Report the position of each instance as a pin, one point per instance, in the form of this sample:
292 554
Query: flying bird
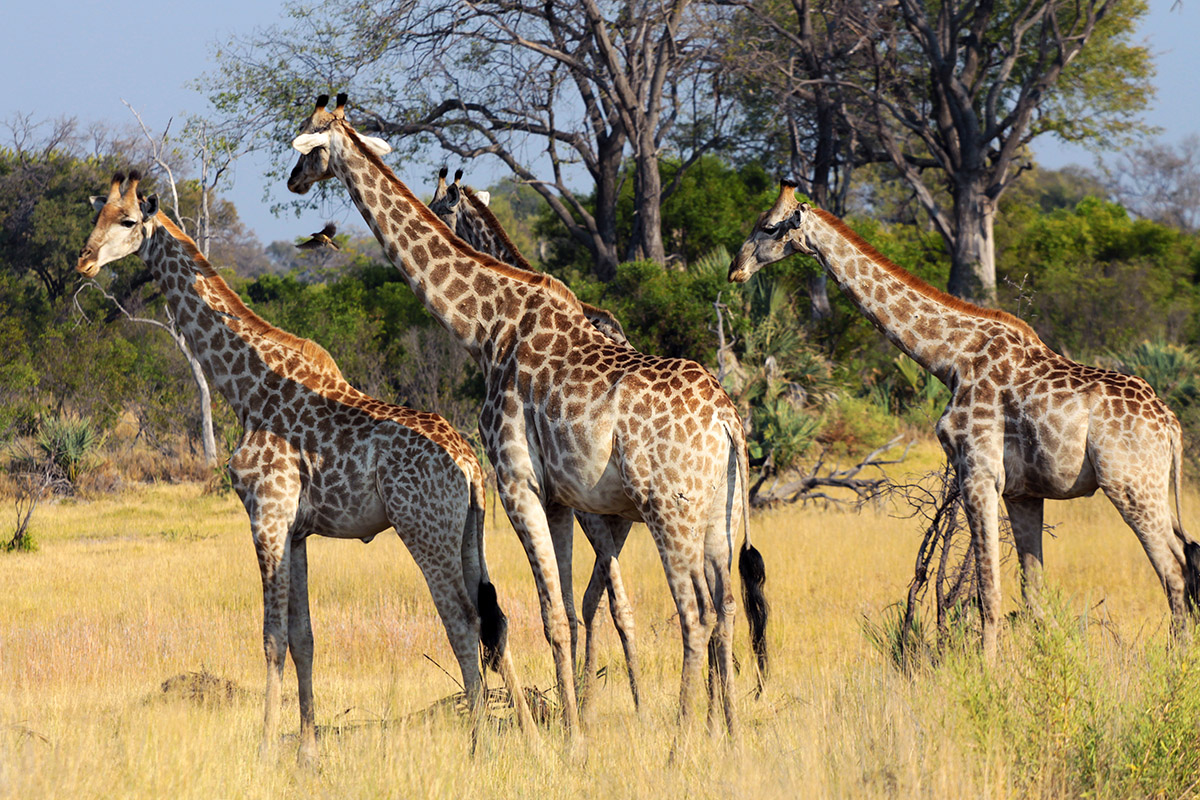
321 238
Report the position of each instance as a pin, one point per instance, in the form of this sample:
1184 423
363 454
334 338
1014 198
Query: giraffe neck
938 331
239 351
483 303
478 227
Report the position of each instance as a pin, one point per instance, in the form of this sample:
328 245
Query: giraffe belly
1036 472
357 516
599 495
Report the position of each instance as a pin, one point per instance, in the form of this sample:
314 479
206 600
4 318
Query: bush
855 426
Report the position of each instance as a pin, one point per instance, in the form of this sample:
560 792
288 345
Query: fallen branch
812 486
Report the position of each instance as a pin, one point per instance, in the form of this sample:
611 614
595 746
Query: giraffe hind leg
1150 519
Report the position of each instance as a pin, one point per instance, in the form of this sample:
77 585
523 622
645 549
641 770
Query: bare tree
962 87
792 58
555 90
1160 182
207 438
215 154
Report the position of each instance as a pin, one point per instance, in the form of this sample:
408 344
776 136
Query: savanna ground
129 590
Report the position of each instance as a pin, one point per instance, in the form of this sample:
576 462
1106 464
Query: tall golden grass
129 590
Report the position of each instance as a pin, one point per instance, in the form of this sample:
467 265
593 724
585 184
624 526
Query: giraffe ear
796 217
149 207
484 197
376 145
305 143
98 202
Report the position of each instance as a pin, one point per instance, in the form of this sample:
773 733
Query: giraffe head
778 233
447 199
124 222
314 141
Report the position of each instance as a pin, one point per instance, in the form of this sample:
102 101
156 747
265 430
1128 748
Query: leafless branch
811 486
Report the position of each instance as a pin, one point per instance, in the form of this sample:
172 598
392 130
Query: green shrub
69 444
855 426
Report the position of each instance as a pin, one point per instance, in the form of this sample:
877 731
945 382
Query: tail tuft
754 577
493 626
1191 576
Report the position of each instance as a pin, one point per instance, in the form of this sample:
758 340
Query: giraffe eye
771 229
129 223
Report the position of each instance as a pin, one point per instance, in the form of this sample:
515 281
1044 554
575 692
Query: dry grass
161 582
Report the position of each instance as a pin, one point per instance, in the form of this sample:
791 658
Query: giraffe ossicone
1023 422
572 420
318 457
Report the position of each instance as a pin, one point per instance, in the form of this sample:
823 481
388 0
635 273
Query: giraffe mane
912 281
309 349
488 217
549 283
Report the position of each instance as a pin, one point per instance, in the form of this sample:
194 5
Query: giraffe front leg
981 502
271 544
300 642
271 502
1025 517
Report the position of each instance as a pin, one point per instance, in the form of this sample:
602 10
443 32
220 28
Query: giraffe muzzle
88 264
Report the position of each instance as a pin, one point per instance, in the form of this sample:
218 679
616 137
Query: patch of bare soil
201 688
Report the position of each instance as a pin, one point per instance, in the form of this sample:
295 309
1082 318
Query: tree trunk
647 202
607 189
973 250
206 418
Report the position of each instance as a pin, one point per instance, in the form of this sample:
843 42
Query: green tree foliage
664 311
1092 278
383 339
712 206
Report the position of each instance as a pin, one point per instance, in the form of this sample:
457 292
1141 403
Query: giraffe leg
622 614
1025 516
528 518
685 576
300 642
562 532
619 606
1147 511
438 552
722 532
271 541
271 499
981 502
720 660
607 535
591 602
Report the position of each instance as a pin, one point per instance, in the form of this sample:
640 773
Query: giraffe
317 456
1023 422
466 212
571 420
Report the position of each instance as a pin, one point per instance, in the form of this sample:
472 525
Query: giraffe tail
750 564
1191 549
493 623
493 626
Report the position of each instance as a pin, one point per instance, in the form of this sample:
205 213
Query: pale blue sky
82 58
